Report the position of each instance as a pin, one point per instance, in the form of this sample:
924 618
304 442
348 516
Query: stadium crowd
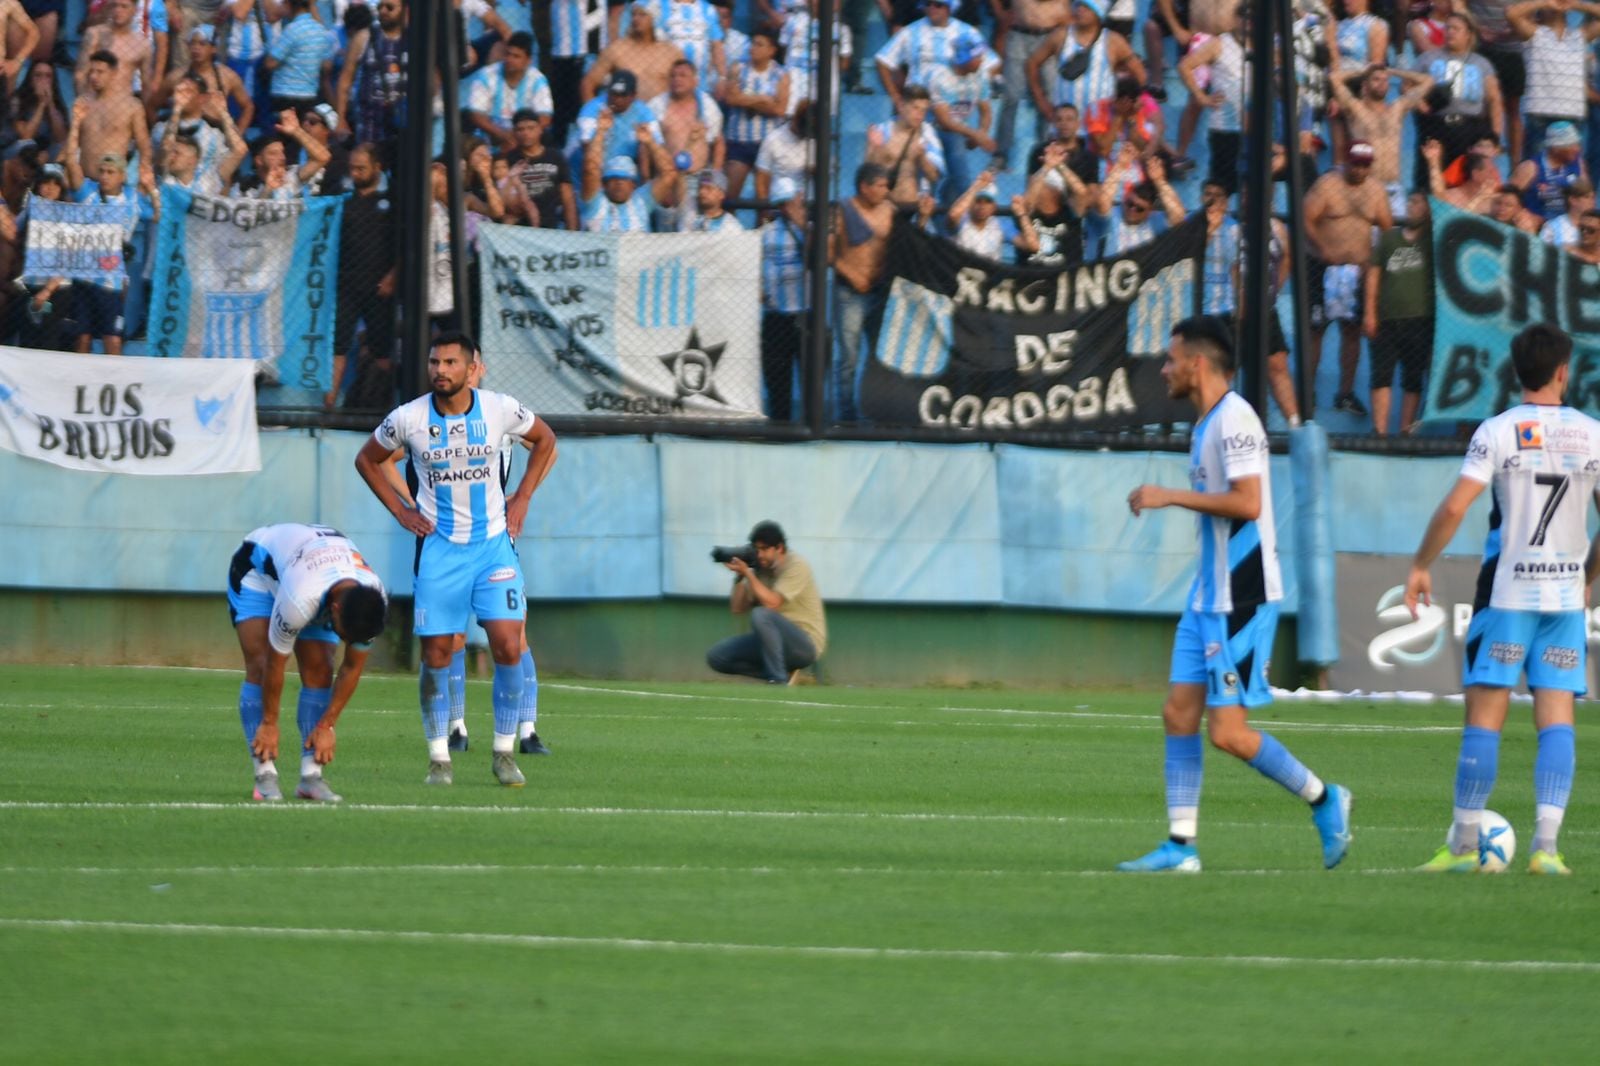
1029 131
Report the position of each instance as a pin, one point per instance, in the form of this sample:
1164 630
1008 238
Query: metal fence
661 220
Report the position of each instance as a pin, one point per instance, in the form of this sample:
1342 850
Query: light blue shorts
1551 647
454 581
1228 653
253 599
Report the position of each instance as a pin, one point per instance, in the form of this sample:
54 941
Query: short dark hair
1212 337
357 17
915 92
372 151
1144 190
676 63
363 612
768 534
524 114
1537 352
262 143
1067 105
867 173
460 338
522 40
1128 87
109 58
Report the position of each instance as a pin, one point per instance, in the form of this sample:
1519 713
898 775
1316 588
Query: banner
1490 281
248 279
129 415
968 344
1383 649
658 325
78 241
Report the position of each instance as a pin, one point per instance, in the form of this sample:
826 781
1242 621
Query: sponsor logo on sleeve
505 573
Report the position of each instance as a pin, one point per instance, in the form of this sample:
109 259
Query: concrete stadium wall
662 639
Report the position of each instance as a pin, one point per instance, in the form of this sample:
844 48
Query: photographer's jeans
773 647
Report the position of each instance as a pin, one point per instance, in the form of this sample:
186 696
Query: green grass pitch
730 873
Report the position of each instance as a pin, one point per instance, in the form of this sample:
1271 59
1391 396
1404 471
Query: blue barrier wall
627 518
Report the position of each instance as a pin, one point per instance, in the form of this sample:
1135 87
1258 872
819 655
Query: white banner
637 324
128 415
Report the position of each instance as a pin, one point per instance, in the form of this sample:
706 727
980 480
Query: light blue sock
1477 767
1183 771
435 687
250 712
507 698
308 711
529 712
1554 765
458 685
1275 762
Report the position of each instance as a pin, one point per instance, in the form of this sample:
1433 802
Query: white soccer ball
1497 843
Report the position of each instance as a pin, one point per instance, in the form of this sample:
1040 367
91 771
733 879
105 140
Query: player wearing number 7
1540 461
465 560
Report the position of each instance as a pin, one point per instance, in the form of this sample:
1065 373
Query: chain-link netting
1017 204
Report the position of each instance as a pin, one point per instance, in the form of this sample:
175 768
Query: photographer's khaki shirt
802 603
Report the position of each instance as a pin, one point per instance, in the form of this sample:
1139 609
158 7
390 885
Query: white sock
505 743
1183 822
439 749
526 729
457 725
1464 830
264 766
1312 788
308 766
1546 825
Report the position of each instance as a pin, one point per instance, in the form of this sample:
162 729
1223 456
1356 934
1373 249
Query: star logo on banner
694 368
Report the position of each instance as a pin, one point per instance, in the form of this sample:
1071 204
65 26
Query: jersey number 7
1558 492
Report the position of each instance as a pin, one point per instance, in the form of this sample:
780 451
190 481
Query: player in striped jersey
1541 463
465 560
405 485
1224 641
300 589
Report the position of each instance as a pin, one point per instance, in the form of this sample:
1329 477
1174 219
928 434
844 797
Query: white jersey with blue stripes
457 461
578 27
298 564
1541 463
1238 559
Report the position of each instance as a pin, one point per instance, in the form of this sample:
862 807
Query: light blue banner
626 517
248 279
1490 282
78 241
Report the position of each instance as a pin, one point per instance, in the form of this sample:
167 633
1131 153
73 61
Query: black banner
970 345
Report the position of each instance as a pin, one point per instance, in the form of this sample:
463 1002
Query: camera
747 552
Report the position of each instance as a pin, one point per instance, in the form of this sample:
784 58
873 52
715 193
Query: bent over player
1540 461
465 559
1220 654
300 589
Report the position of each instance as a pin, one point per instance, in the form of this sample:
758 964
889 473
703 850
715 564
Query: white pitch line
1375 727
669 812
832 951
588 868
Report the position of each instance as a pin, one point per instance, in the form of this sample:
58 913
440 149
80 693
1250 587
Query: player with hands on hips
466 564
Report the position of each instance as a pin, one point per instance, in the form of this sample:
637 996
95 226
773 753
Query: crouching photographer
787 629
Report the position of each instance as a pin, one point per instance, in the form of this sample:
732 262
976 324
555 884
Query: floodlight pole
819 338
414 192
1257 295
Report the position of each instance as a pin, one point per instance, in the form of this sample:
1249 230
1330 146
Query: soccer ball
1497 843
